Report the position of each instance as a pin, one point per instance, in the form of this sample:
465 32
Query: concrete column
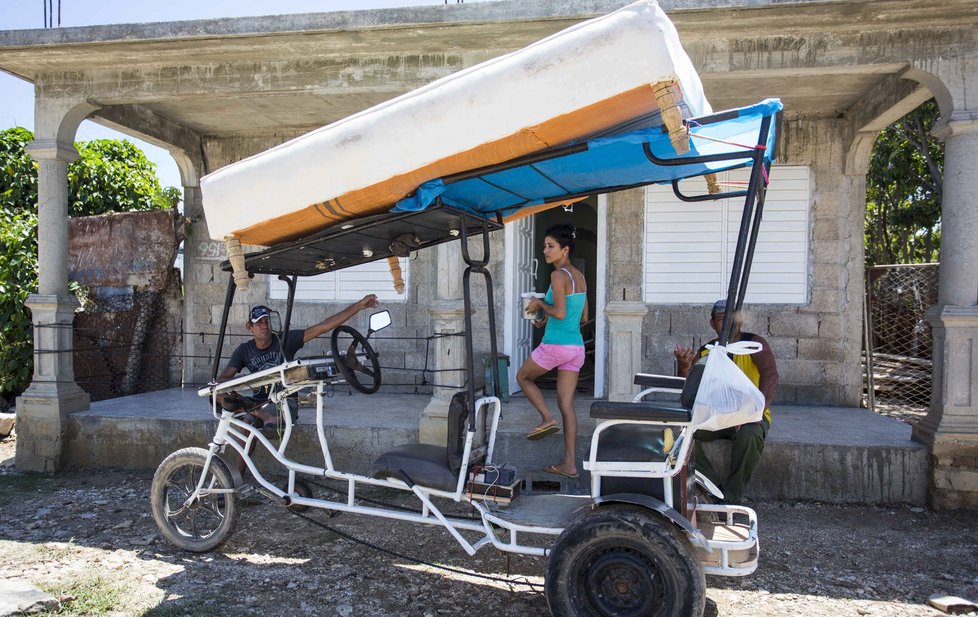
53 393
951 427
624 347
447 317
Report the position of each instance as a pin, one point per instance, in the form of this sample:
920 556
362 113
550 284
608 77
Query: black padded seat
664 411
429 465
647 380
636 443
632 442
426 464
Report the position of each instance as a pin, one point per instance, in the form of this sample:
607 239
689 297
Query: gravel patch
90 540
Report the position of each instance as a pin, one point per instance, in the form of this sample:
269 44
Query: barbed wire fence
110 364
897 354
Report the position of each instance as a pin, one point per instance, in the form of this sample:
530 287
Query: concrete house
216 91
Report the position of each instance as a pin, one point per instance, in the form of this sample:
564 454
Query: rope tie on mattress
729 143
761 147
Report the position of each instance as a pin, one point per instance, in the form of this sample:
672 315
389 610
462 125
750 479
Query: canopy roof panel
613 162
465 204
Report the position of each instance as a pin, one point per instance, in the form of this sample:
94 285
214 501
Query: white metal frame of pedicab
234 432
240 436
676 457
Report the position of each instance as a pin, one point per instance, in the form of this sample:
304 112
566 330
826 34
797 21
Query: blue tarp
600 165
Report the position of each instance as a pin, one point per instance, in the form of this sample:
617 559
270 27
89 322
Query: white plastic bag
726 396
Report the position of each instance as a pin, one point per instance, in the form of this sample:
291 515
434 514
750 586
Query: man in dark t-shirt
748 439
267 350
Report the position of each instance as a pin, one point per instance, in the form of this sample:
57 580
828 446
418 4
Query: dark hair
564 234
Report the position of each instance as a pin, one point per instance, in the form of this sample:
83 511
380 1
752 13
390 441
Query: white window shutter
346 285
689 247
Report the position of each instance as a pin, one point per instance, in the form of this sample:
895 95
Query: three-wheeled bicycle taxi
640 541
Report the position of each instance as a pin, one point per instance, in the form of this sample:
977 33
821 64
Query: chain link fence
899 343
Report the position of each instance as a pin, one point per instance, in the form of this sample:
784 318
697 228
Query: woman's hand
534 305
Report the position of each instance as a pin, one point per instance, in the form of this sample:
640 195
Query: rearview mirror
380 320
275 322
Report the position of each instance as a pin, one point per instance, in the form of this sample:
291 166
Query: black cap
258 312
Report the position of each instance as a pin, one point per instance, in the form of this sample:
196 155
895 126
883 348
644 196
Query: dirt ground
89 539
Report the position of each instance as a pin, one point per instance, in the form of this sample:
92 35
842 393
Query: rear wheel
627 562
204 522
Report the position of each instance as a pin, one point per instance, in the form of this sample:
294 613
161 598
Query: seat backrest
692 383
458 418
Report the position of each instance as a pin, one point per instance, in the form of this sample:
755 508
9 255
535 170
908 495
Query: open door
520 275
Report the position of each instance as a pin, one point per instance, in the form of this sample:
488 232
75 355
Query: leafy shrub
111 176
18 279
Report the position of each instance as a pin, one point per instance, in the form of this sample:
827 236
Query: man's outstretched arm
368 301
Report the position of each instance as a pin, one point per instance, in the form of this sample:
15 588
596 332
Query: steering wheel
364 379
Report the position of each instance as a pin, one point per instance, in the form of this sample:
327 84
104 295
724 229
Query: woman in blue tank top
564 310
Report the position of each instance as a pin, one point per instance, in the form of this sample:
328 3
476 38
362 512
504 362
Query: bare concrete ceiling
289 74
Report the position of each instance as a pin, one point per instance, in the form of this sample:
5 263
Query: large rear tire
206 522
627 562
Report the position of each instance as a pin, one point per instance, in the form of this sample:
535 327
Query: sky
17 95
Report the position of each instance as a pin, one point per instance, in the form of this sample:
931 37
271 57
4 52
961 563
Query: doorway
526 271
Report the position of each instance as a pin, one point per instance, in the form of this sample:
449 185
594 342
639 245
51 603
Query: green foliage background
110 176
904 188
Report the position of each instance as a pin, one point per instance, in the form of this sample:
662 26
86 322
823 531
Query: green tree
904 186
110 176
115 176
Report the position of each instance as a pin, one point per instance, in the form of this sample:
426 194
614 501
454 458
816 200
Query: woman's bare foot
545 424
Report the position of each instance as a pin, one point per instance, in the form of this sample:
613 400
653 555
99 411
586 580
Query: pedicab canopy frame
637 541
634 154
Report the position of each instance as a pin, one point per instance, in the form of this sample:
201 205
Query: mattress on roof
574 84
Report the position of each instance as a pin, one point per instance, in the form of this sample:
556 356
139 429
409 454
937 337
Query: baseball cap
258 312
720 306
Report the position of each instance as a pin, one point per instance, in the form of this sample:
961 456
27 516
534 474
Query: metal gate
898 345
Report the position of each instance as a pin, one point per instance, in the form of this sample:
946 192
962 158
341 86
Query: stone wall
816 344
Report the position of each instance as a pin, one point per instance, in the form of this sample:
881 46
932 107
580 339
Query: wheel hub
621 581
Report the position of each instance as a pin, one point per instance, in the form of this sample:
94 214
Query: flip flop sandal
554 470
543 432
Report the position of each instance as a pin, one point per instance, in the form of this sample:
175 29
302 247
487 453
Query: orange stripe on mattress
382 196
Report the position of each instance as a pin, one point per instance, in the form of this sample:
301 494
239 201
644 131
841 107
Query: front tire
627 562
204 523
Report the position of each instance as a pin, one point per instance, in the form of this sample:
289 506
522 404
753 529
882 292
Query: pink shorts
564 357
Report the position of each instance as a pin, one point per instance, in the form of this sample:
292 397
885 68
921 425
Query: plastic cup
535 315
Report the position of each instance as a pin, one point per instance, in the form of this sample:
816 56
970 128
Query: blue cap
258 312
720 306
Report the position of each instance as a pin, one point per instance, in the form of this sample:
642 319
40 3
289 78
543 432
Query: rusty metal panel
128 337
127 249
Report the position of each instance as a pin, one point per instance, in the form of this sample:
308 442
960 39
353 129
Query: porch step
832 454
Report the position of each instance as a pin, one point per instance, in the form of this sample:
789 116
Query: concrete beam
887 102
183 144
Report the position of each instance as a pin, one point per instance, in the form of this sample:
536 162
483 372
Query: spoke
211 506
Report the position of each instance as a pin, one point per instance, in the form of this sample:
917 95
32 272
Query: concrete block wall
816 344
207 286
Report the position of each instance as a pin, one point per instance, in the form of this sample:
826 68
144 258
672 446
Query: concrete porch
832 454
